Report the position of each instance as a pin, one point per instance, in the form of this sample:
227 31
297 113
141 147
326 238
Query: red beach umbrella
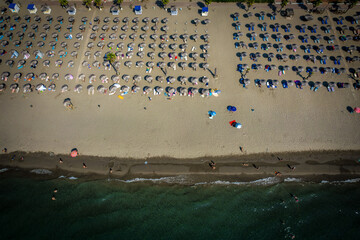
357 109
74 153
232 122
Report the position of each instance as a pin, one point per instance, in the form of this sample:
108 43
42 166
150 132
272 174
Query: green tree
111 57
284 3
351 4
316 3
64 3
87 3
249 3
118 2
165 2
97 3
208 2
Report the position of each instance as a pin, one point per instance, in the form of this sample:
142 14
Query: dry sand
283 120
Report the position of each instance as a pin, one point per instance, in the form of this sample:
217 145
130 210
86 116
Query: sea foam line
3 170
41 171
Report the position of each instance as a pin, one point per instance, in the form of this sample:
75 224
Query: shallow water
146 210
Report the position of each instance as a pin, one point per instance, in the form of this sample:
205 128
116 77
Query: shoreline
309 166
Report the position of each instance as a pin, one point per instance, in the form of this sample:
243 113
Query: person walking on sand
212 165
84 165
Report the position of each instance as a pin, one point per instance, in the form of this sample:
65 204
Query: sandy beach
281 121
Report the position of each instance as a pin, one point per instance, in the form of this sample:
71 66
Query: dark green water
106 209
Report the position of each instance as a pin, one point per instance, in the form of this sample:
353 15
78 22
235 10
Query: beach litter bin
32 9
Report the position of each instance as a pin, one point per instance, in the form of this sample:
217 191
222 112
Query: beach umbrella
92 36
161 64
164 37
137 78
68 77
148 78
95 28
206 21
150 64
126 77
153 37
133 36
194 65
205 79
106 19
120 45
174 37
135 20
146 19
162 46
154 28
101 89
115 78
145 28
100 44
82 27
182 91
193 91
125 20
143 36
182 65
170 79
17 76
104 78
135 89
205 56
147 90
162 55
40 87
194 80
85 63
13 87
196 21
124 88
27 88
90 89
172 65
155 20
158 90
184 37
194 55
78 88
96 64
206 46
74 153
135 27
139 64
160 79
173 46
46 63
205 66
58 63
152 46
64 88
81 77
165 28
128 64
102 36
151 55
164 20
357 109
115 28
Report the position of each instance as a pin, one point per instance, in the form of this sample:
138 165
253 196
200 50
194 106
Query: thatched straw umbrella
13 87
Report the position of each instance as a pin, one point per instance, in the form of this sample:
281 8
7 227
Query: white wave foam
73 178
41 171
292 180
354 180
177 179
61 176
262 181
3 170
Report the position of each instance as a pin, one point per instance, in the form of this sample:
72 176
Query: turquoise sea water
112 209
